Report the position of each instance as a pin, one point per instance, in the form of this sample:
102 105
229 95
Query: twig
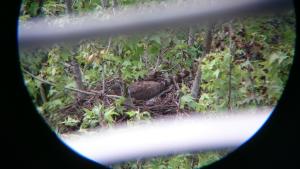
80 91
53 84
195 89
232 52
175 83
103 66
157 62
170 68
176 103
252 81
40 79
165 91
103 78
191 38
113 96
252 84
108 95
95 91
159 57
159 107
108 46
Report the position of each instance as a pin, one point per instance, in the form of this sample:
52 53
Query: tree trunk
191 38
43 93
40 8
76 68
105 4
69 8
252 81
196 83
103 76
232 52
115 3
77 78
208 41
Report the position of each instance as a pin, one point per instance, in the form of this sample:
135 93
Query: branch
195 89
165 91
92 92
53 84
103 66
108 95
108 46
232 52
38 78
191 36
159 57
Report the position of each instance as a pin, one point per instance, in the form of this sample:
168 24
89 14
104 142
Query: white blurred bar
48 31
173 136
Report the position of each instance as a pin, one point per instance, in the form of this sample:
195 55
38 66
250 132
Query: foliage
71 122
91 117
138 116
178 161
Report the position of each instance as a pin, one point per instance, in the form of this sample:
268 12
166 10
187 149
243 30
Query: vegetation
240 63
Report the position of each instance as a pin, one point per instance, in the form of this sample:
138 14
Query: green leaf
187 100
33 8
132 113
153 49
126 63
71 122
97 109
71 85
91 117
55 104
216 73
108 115
156 39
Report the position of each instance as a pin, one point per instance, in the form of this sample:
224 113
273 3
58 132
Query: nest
164 99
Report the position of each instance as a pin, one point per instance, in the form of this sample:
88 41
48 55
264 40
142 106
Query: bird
145 90
149 87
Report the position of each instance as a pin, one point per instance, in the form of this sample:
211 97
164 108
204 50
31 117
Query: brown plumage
147 89
144 90
150 86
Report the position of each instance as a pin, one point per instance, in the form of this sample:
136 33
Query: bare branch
232 52
195 90
53 84
191 36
